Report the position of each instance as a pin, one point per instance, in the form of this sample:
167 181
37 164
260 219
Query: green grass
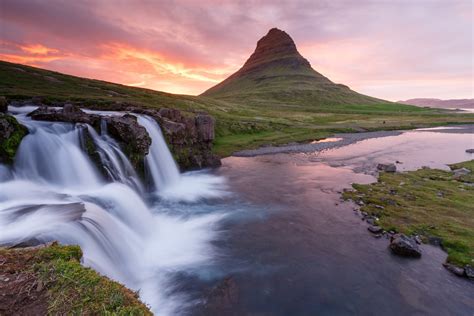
428 202
245 121
71 288
9 146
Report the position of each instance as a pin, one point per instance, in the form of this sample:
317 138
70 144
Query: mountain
438 103
276 72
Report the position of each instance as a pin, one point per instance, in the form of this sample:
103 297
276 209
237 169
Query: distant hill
276 72
438 103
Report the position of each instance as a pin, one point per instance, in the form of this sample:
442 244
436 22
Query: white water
54 192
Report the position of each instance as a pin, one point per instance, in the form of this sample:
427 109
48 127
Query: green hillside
239 124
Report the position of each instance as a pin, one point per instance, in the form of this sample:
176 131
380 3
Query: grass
9 146
426 202
246 121
71 288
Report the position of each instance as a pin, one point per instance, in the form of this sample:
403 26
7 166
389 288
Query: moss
428 202
74 289
9 146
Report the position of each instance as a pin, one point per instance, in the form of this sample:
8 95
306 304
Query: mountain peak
276 44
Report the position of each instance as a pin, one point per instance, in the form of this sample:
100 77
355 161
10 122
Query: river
262 235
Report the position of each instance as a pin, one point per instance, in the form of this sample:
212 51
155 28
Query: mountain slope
276 71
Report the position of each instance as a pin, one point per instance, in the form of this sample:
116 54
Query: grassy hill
239 124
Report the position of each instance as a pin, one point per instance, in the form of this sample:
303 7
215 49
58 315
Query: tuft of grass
426 202
71 288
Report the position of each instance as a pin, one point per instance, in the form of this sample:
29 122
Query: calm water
294 248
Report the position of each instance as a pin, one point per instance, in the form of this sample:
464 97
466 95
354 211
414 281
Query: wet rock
69 114
404 246
11 135
470 151
469 270
131 136
370 220
454 269
387 167
435 241
222 298
375 229
3 105
418 239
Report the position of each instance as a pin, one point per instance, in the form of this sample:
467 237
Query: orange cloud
38 49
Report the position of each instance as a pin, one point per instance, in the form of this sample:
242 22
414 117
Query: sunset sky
387 49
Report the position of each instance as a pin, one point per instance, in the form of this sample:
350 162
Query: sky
391 49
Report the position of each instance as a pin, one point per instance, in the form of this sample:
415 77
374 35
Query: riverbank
50 280
433 206
339 140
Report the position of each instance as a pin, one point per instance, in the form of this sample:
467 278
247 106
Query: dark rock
11 135
469 270
454 269
3 105
435 241
370 220
222 298
375 229
470 151
69 114
387 167
404 246
131 136
418 240
205 127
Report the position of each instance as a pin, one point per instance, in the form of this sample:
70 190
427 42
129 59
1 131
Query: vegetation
426 202
10 139
245 122
69 288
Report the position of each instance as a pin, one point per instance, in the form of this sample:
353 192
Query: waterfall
159 162
55 192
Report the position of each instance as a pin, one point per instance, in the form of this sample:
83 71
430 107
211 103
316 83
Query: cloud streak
388 49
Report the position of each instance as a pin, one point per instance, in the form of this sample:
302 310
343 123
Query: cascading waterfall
55 192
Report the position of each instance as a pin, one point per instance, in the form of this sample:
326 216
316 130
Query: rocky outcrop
405 246
69 113
11 134
189 136
132 137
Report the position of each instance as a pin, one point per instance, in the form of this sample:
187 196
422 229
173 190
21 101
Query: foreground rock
11 134
404 246
387 167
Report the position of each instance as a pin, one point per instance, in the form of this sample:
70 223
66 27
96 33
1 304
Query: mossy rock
11 135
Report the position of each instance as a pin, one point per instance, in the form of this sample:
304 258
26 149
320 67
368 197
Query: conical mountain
276 72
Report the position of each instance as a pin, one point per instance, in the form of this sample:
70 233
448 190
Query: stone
404 246
375 229
69 114
205 127
461 172
387 167
11 135
469 270
470 151
454 269
3 105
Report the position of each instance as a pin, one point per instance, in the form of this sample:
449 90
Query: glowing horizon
393 51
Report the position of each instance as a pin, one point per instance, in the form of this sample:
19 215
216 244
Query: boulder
375 229
454 269
469 270
387 167
205 127
3 105
404 246
461 172
11 135
132 137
